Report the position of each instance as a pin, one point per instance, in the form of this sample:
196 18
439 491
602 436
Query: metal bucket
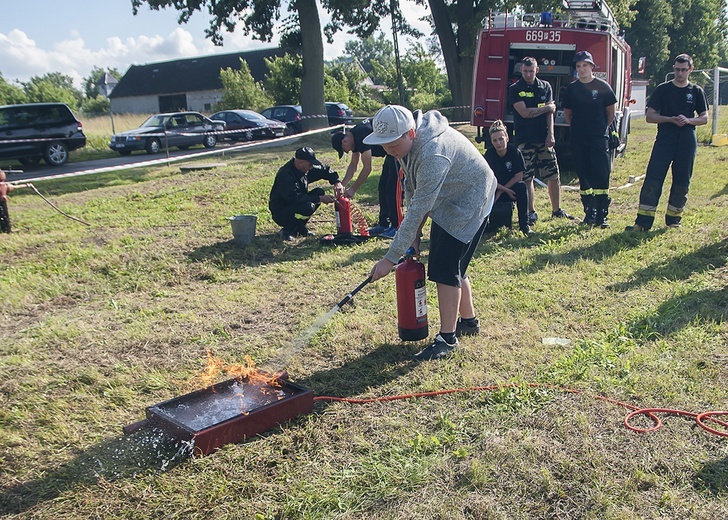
243 228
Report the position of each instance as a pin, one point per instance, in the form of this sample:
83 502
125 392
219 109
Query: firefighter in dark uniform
5 188
677 107
508 166
589 106
291 203
533 122
353 141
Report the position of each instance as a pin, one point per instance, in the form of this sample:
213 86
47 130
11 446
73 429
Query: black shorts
449 258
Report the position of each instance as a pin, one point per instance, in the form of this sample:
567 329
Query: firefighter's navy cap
307 154
584 56
336 142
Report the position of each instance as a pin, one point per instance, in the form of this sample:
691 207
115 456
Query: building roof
190 74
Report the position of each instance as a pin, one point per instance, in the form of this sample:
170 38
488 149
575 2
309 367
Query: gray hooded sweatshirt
445 177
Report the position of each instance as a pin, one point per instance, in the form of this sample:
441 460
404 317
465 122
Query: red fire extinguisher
342 207
411 298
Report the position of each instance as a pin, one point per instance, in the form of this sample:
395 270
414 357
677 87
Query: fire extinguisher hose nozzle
352 293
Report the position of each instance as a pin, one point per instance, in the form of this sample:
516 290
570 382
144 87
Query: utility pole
394 12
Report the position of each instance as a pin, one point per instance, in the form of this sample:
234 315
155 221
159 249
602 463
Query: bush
95 106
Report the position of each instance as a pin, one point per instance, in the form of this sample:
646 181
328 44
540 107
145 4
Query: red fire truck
553 39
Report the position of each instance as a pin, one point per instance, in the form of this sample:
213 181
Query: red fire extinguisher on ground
342 207
411 298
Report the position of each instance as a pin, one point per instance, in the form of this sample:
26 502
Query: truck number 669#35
543 36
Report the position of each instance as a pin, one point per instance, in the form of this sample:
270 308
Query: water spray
300 343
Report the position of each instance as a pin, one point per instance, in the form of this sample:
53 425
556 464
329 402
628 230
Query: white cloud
21 57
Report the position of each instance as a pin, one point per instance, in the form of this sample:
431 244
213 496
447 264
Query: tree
699 29
648 35
662 29
11 94
372 50
344 82
283 81
90 88
52 87
93 102
259 17
428 85
240 90
95 106
364 17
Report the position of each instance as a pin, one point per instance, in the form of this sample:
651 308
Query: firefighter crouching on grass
448 180
290 203
5 188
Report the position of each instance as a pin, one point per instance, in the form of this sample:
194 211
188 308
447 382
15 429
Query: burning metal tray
226 412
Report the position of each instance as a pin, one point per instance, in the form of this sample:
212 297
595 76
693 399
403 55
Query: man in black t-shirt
353 141
589 108
507 164
677 107
533 117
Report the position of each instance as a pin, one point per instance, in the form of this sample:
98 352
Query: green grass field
100 322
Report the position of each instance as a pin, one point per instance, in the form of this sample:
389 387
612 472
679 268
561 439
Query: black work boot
602 210
590 211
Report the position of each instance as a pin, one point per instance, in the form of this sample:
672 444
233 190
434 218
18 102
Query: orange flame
216 368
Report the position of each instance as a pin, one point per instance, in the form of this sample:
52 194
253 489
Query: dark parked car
39 130
180 129
339 114
291 115
251 124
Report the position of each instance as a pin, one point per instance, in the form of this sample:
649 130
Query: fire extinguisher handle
410 253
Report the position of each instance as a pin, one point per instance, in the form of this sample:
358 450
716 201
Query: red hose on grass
700 418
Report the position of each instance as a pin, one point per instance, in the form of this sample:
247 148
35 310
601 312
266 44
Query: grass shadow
713 478
266 249
382 365
724 191
597 252
707 258
113 459
677 312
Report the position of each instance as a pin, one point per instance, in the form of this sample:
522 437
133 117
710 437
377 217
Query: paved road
42 171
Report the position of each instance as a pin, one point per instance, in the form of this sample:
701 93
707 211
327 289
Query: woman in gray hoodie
447 179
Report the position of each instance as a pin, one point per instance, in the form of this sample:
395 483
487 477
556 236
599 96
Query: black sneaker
464 329
438 350
560 213
303 231
526 230
532 218
285 235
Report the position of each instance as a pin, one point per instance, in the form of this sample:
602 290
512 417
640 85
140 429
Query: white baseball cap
389 124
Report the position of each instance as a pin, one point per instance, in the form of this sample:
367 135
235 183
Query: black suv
289 114
39 130
339 114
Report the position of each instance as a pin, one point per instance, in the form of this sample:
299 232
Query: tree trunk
458 51
312 82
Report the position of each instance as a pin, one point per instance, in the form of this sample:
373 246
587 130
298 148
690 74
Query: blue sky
42 36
